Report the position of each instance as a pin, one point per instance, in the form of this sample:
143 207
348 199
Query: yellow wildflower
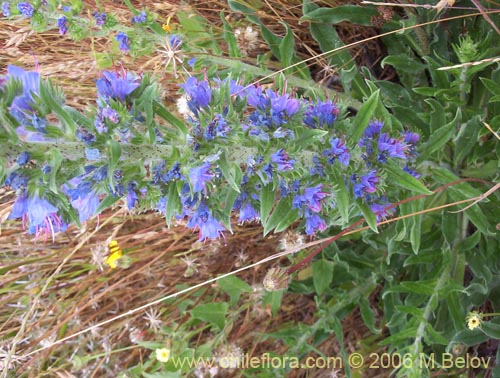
162 354
474 319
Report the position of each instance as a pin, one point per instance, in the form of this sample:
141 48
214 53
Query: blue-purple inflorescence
237 136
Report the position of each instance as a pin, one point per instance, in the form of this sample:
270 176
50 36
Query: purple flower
411 138
173 174
317 168
62 23
6 8
339 151
321 115
411 171
200 94
374 128
16 181
123 40
31 86
26 9
199 176
115 85
367 184
204 221
380 211
139 19
92 154
248 213
100 18
23 158
38 215
390 147
314 223
85 136
175 41
111 114
314 196
282 107
131 195
282 160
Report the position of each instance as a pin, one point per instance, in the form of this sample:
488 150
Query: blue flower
199 176
321 115
92 153
62 23
131 195
6 8
390 147
339 151
26 9
380 211
38 215
373 129
123 40
139 19
200 94
175 41
31 86
204 221
173 174
111 114
248 213
85 136
114 85
313 197
23 158
367 184
16 181
314 223
282 160
100 18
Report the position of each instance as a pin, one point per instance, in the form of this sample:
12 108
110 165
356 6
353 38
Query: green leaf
341 196
287 47
370 218
467 139
469 337
55 160
266 202
404 179
231 172
368 315
173 203
47 95
170 118
115 151
106 202
273 298
280 212
426 287
351 13
233 286
323 275
287 220
403 63
213 313
440 137
491 329
363 118
232 44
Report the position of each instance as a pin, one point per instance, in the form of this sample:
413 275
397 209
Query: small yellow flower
167 26
162 354
115 254
474 319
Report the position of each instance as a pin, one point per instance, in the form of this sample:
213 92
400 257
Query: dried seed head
276 279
